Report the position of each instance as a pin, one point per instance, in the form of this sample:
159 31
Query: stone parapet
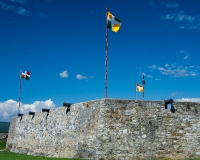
110 129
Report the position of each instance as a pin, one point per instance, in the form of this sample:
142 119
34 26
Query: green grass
14 156
5 155
2 144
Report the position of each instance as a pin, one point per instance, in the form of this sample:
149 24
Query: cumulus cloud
9 108
79 76
64 74
184 21
174 71
188 100
22 11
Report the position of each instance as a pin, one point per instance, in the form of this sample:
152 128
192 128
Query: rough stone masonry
110 129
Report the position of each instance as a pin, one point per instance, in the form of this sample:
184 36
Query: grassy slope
2 144
4 155
14 156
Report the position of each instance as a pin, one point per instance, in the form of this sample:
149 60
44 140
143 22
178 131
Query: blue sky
62 44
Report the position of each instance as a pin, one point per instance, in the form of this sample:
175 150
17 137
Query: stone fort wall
110 129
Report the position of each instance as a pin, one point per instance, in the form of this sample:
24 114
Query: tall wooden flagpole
106 76
20 88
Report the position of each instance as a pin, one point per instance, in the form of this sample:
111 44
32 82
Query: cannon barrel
67 104
45 110
169 101
31 113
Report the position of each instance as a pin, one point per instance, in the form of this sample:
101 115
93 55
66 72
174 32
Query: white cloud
19 10
19 1
166 65
78 76
157 79
173 94
153 67
188 100
9 108
192 73
161 69
64 74
23 11
173 65
149 76
184 21
183 52
186 57
169 16
5 6
176 93
179 71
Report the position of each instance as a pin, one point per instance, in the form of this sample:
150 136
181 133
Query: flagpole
135 91
20 87
143 86
143 92
106 76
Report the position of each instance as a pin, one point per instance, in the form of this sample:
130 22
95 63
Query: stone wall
110 129
2 136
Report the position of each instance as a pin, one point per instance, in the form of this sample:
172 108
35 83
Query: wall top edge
105 100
